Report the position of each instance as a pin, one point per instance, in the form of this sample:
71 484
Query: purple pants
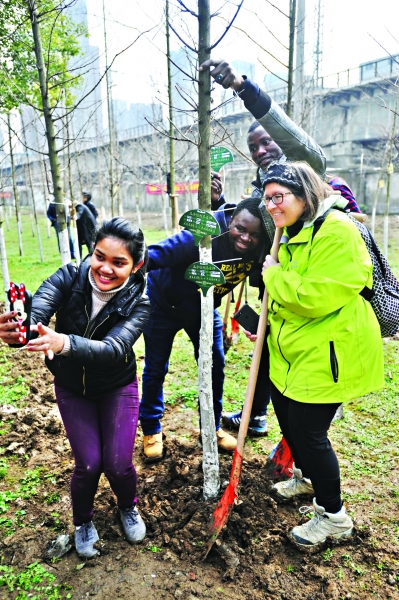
101 430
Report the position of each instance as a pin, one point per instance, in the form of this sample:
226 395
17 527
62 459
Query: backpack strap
319 222
366 292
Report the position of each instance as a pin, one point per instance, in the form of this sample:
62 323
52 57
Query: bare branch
228 27
185 9
181 39
184 73
103 75
261 47
385 50
165 134
274 74
277 8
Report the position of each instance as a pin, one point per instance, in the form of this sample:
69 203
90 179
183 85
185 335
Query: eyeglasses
277 198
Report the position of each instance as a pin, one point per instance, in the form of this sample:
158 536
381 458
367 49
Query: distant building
87 120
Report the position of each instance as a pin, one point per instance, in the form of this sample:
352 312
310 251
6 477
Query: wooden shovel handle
227 310
253 372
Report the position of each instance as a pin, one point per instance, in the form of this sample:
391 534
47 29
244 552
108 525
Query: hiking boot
85 537
339 413
257 425
153 446
294 486
225 441
133 525
321 526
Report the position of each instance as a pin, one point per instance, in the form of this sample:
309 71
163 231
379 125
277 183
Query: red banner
180 187
5 194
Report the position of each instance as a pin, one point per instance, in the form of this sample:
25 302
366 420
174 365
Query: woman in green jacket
325 342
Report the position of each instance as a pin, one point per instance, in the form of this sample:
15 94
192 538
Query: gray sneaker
85 537
321 526
295 486
133 525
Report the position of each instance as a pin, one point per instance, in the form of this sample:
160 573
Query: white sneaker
295 486
321 526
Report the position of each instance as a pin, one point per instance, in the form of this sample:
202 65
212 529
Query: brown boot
153 446
226 441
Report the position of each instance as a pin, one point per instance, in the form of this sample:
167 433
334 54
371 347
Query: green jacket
325 341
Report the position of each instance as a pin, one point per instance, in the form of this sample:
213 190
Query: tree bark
292 18
50 135
389 173
39 237
171 128
14 188
209 443
4 262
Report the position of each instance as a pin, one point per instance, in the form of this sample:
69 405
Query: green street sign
200 223
219 157
205 275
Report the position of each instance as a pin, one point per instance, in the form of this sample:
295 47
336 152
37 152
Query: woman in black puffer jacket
101 312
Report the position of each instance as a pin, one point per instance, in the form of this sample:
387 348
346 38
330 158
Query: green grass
32 582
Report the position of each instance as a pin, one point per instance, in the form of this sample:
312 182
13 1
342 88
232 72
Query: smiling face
245 232
263 149
288 212
111 264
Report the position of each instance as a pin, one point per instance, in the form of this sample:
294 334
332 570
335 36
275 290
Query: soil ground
38 464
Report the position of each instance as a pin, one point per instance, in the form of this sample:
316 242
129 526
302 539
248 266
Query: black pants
305 428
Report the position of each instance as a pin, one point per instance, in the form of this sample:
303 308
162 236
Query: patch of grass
33 582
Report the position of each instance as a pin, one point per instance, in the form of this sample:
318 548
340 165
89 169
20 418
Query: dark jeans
101 430
158 336
305 428
263 385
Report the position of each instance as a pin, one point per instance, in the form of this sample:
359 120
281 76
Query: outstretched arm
294 141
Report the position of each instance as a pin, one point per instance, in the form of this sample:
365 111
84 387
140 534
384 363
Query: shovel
230 495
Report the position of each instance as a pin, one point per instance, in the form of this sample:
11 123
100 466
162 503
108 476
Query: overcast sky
140 73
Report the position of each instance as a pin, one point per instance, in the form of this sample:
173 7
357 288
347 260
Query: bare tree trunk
15 190
72 222
4 263
300 60
44 189
377 193
390 170
112 186
50 135
100 179
209 443
138 213
39 237
292 18
171 128
164 215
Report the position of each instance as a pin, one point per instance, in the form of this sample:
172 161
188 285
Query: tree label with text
205 275
200 223
219 157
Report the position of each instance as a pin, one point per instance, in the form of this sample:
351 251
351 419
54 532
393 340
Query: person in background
325 342
100 313
52 216
86 199
86 225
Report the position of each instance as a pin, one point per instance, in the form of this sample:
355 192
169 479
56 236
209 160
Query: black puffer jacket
102 357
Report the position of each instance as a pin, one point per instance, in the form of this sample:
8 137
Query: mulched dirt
253 560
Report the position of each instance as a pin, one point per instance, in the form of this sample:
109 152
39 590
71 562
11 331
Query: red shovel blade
280 460
226 502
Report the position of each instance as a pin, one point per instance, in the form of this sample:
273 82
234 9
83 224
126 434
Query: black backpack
384 295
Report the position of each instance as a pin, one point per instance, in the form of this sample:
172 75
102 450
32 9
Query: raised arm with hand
293 141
